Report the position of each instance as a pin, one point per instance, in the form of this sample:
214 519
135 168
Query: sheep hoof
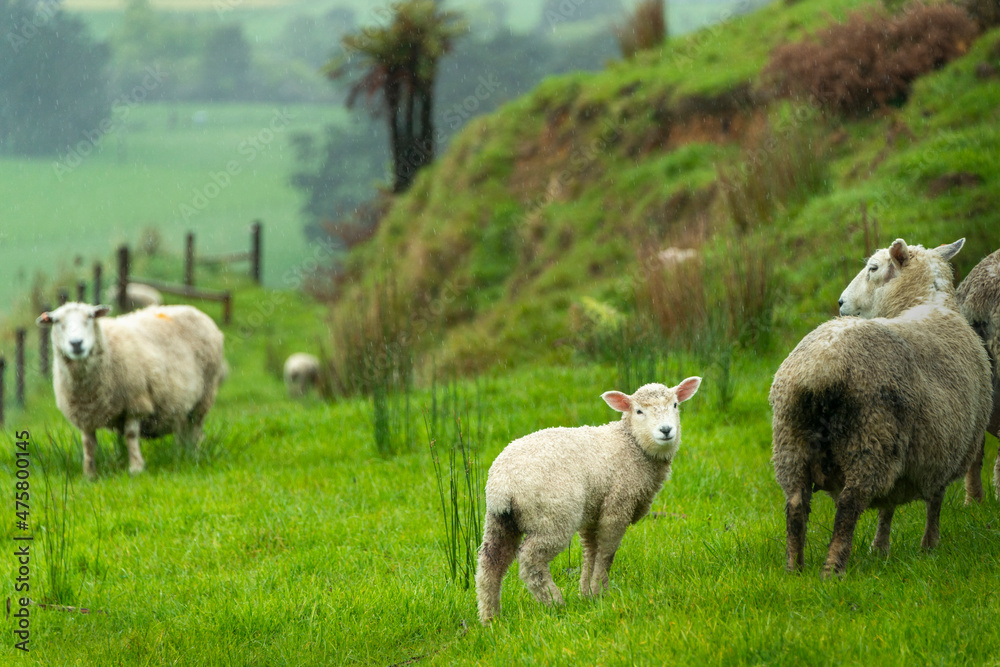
136 470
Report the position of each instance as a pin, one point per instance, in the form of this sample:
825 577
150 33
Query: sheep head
652 414
74 328
897 278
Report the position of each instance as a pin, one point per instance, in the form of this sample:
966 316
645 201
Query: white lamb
301 373
595 480
149 373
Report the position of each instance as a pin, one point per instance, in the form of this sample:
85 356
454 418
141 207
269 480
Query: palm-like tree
398 62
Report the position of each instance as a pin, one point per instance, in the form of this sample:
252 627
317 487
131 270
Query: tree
53 82
225 74
398 62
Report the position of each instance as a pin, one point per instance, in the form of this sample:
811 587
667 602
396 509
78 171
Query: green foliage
53 85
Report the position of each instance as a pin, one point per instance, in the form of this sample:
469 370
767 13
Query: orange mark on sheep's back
163 316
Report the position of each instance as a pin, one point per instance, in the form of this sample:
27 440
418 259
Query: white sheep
979 296
882 411
137 295
595 480
149 373
301 373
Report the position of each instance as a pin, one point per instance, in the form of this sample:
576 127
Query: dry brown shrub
871 60
644 28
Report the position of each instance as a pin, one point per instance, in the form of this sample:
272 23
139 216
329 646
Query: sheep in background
595 480
301 373
979 296
879 412
149 373
137 296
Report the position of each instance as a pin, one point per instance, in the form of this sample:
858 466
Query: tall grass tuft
460 485
644 28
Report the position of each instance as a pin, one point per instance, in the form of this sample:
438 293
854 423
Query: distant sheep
595 480
137 295
879 412
301 373
149 373
979 297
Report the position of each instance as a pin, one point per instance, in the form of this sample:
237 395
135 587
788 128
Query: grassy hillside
552 197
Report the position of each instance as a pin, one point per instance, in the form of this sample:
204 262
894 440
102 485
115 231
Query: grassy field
291 542
159 167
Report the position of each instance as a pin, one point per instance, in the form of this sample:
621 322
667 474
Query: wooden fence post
255 251
44 345
81 291
97 283
122 279
227 308
19 365
189 260
3 367
63 296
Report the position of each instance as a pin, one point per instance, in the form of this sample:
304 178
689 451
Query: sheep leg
932 530
974 476
850 504
881 541
135 462
797 507
588 545
537 552
500 539
609 537
89 450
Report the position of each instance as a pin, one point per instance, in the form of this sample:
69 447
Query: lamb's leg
89 450
500 539
797 507
850 504
881 541
135 462
588 547
609 536
537 551
974 476
932 530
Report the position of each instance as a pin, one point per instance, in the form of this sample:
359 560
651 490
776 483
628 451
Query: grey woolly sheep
595 480
979 297
149 373
137 295
879 412
301 373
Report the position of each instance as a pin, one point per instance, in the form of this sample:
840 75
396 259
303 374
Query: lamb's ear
44 320
687 389
617 400
101 311
950 250
899 252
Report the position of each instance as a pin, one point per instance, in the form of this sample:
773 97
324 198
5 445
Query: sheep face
863 296
652 414
74 328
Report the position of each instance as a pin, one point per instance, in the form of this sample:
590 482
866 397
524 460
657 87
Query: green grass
295 543
142 174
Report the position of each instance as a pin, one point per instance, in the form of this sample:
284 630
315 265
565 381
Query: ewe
879 412
301 373
979 296
149 373
596 480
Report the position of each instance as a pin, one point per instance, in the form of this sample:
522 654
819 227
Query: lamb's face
74 328
653 413
859 297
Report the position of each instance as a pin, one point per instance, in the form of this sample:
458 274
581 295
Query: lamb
137 295
879 412
149 373
301 373
979 296
595 480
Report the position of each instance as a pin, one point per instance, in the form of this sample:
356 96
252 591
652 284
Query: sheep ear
44 320
617 400
899 252
101 311
688 388
950 250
